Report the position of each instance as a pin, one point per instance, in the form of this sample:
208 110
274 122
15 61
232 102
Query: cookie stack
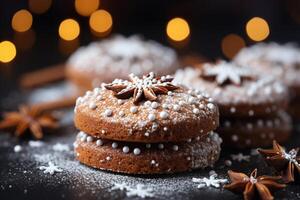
146 125
252 106
115 57
282 61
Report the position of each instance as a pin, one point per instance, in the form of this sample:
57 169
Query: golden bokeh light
21 21
86 7
178 29
7 51
69 29
257 29
39 6
101 22
231 44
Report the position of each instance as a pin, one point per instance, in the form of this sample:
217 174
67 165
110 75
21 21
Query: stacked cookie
252 107
282 61
146 126
115 57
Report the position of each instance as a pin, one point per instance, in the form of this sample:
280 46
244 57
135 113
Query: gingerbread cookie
243 97
255 132
142 125
238 91
138 158
282 61
116 57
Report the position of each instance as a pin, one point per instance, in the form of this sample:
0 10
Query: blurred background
38 33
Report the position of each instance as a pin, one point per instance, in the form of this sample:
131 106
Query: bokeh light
21 21
257 29
69 29
39 6
231 44
86 7
7 51
101 22
178 29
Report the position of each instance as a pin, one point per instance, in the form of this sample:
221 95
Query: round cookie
238 91
145 110
135 158
255 132
116 57
282 61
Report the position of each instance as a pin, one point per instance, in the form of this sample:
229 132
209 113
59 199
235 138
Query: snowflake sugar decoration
51 168
139 190
61 147
224 71
240 157
212 181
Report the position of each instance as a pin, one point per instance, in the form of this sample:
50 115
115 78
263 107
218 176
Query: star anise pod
286 163
223 72
147 87
253 187
28 118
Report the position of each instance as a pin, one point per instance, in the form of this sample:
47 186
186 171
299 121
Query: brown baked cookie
138 158
117 56
145 110
238 91
282 61
255 132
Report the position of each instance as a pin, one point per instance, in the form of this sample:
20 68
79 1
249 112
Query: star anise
253 186
224 72
147 87
286 163
28 118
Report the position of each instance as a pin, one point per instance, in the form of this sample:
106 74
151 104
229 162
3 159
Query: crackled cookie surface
116 57
147 109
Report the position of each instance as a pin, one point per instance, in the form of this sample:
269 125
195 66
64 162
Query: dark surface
21 178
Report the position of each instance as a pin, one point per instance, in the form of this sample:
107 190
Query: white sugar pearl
99 142
232 109
154 105
92 106
102 131
161 146
121 114
108 112
83 138
17 148
152 162
125 149
163 115
170 93
136 151
108 158
147 103
165 128
89 139
151 117
99 98
165 106
196 111
148 146
133 109
120 101
201 106
210 106
175 147
114 145
176 107
147 134
191 100
188 158
189 140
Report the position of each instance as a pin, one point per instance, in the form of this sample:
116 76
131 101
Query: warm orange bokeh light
231 44
257 29
21 21
69 29
178 29
39 6
86 7
7 51
101 21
